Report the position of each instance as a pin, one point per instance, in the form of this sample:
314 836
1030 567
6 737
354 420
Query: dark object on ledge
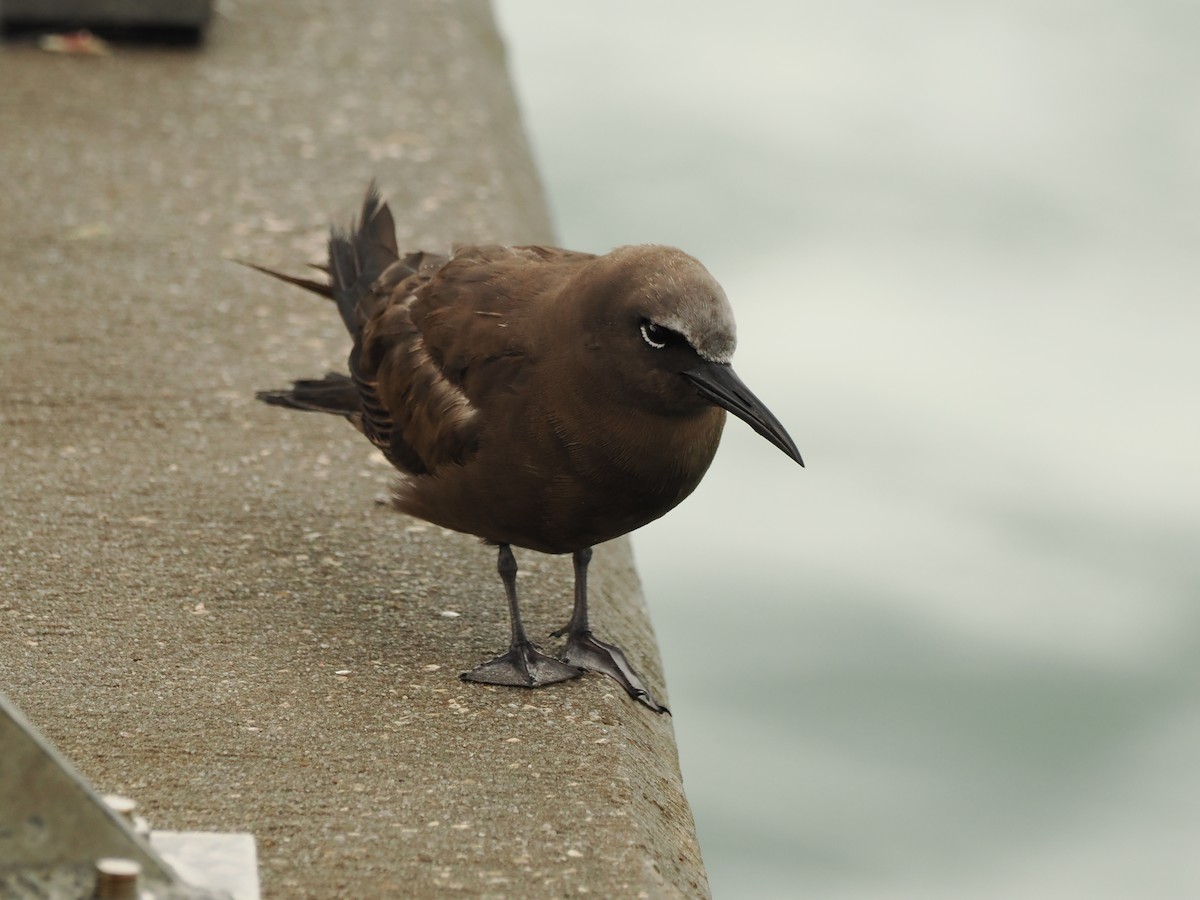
173 21
533 396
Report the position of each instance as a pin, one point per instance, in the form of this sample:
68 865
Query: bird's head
656 320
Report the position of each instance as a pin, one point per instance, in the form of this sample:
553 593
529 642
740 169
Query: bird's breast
640 469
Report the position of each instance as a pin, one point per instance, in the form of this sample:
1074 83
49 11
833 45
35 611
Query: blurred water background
959 654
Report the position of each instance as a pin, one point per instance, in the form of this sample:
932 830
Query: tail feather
358 261
335 393
317 287
357 258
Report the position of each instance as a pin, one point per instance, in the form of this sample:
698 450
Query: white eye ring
657 345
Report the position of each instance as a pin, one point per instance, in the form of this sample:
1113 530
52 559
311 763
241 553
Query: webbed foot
594 655
523 665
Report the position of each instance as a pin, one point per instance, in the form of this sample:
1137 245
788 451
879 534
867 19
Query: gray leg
522 665
588 652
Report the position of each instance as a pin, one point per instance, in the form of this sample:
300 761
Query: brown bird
533 396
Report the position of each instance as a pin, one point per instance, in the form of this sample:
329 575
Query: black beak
719 383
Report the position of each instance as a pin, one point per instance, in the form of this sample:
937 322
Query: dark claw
595 655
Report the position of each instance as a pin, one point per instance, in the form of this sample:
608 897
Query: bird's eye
653 335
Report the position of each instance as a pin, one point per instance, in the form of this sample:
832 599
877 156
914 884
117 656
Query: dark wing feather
471 314
446 340
434 337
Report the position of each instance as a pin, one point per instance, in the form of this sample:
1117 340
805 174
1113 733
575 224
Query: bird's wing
448 337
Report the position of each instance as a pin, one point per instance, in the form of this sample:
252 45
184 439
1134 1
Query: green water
959 654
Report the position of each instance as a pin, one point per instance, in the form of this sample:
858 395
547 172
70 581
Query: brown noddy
533 396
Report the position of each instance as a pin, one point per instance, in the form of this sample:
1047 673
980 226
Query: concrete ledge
201 604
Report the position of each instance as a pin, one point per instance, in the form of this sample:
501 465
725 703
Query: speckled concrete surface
201 602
